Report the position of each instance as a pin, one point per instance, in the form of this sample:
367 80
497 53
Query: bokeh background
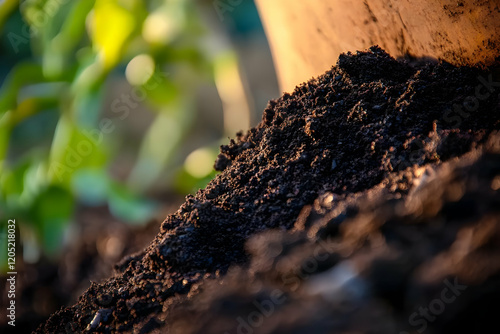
111 111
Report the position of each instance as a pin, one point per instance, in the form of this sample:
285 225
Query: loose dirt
358 135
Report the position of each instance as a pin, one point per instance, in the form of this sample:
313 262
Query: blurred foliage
54 143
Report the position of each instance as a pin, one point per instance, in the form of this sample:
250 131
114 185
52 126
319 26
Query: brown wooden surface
307 36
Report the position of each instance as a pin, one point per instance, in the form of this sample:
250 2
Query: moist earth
391 166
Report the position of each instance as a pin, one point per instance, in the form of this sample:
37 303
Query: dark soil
368 262
364 128
100 241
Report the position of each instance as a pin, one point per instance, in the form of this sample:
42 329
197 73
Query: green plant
55 145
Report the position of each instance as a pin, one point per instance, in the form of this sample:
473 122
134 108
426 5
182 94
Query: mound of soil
370 263
370 121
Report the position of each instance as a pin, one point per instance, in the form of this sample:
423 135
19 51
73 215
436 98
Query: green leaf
91 186
87 107
69 30
52 211
12 181
124 205
111 27
73 149
168 128
5 130
22 74
6 9
160 90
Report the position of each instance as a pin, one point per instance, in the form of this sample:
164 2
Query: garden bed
392 164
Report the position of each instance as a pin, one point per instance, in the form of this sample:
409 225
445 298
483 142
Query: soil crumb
392 166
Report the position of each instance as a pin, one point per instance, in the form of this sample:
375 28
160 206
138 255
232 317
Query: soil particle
370 121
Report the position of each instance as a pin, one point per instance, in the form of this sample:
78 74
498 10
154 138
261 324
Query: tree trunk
307 37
